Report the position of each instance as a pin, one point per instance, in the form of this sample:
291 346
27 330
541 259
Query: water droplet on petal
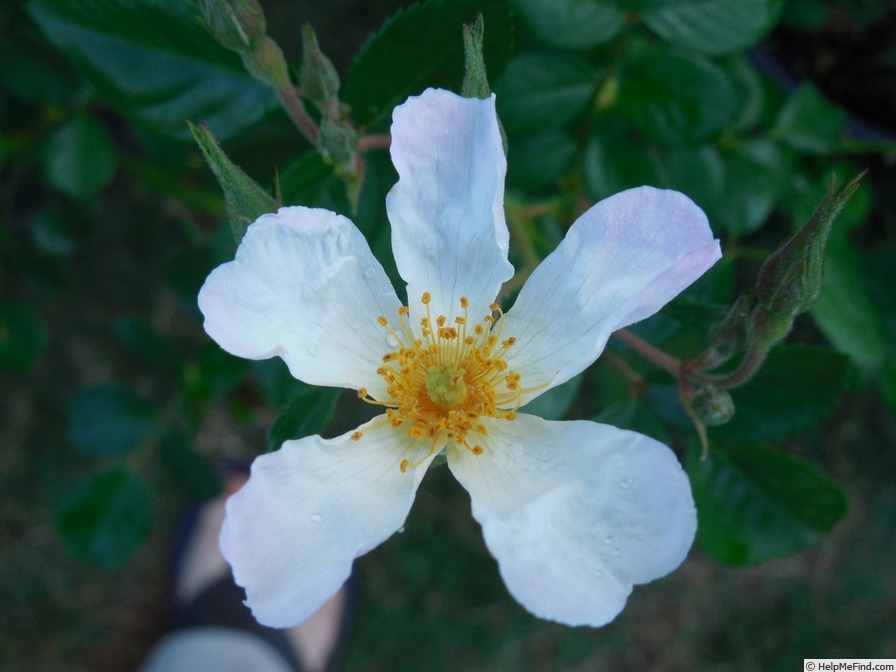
392 341
401 530
312 350
369 272
356 325
598 573
624 483
616 552
608 539
316 518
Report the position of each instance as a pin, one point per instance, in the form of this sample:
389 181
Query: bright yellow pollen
443 379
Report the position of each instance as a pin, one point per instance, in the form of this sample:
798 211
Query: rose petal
304 286
620 262
576 513
447 209
308 510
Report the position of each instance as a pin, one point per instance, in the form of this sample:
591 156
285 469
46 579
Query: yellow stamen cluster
443 381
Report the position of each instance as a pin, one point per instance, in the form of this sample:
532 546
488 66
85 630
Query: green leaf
308 411
422 46
796 387
31 70
713 27
215 371
106 520
749 93
699 173
543 91
154 61
755 503
614 163
844 312
572 24
22 336
634 416
555 403
808 122
147 345
534 162
108 419
80 159
192 470
310 181
756 175
675 99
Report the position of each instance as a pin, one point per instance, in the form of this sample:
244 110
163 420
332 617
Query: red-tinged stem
649 352
381 141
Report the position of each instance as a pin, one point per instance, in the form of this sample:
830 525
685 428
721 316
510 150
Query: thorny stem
296 110
649 352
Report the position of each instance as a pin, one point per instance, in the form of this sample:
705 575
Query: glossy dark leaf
572 24
796 387
716 27
755 503
422 46
108 419
541 91
308 411
153 60
80 159
675 99
107 519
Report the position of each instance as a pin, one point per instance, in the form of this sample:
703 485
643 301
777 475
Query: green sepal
790 278
246 200
238 25
317 74
475 84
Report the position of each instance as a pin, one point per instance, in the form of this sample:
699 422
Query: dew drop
357 325
369 272
392 341
312 350
316 518
401 530
616 552
598 573
608 539
624 483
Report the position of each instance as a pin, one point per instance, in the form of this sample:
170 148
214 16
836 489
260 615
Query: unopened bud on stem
238 25
317 75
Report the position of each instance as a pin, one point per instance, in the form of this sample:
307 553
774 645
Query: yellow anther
382 320
442 380
357 436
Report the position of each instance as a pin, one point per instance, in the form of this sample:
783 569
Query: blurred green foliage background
118 411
